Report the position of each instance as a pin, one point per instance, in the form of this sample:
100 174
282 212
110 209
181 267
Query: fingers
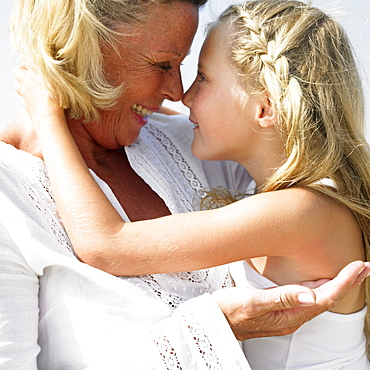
326 293
26 64
23 63
17 83
282 310
364 274
16 86
288 296
350 272
255 313
314 284
349 277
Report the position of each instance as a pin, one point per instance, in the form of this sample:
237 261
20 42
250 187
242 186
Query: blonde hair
303 59
63 40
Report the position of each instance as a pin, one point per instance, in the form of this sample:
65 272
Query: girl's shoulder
308 222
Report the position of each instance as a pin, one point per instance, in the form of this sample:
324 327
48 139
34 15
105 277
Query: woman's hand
38 100
254 313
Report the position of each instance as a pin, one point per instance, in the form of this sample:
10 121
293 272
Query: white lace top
330 341
58 313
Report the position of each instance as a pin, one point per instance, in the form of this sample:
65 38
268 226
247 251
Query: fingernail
306 299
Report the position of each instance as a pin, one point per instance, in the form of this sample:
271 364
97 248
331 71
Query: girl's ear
266 112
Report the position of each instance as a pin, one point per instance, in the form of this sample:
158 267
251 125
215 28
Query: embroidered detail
171 300
202 342
188 173
155 156
167 352
227 282
45 203
197 277
200 339
173 289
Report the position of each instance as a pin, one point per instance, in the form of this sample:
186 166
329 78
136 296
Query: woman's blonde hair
63 39
302 58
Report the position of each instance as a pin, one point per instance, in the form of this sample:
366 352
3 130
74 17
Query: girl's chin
201 154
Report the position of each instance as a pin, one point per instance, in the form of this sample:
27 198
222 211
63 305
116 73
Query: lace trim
176 174
167 352
46 205
171 300
172 150
204 345
198 282
197 277
228 281
202 342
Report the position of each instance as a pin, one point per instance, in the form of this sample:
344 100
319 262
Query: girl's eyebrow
203 68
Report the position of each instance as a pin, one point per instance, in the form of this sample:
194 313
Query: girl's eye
201 77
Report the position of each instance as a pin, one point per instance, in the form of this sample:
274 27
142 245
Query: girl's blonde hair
303 59
63 39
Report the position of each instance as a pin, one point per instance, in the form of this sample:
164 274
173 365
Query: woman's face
223 129
148 66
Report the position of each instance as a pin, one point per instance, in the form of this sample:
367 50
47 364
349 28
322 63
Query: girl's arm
246 229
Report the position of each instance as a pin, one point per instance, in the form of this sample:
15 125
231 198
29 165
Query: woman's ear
266 112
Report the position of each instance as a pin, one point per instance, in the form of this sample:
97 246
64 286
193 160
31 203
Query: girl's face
223 130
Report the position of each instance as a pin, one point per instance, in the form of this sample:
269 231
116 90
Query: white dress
58 313
330 341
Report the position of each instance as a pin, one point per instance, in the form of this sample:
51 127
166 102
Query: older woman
111 63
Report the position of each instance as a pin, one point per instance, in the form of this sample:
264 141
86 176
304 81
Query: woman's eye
165 67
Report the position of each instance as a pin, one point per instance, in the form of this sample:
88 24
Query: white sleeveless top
329 341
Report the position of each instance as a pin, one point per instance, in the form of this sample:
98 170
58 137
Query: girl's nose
189 95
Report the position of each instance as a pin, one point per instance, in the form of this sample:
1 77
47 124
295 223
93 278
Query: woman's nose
173 88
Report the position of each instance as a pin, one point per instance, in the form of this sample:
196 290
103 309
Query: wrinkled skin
278 311
250 313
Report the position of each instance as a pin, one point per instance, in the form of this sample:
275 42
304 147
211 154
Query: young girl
277 91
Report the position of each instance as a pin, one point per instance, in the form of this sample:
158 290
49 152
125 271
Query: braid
303 60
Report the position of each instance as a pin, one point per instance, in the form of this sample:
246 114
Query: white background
354 15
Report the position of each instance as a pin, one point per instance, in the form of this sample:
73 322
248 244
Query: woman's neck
91 151
112 166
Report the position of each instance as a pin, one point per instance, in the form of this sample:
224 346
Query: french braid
302 58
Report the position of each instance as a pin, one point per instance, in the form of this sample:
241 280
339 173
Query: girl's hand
37 99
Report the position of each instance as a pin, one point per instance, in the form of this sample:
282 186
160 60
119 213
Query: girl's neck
263 166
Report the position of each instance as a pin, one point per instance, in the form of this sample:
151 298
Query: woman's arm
246 229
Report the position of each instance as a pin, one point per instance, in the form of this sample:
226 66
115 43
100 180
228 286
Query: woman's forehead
163 29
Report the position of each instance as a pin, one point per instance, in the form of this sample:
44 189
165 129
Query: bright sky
354 15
